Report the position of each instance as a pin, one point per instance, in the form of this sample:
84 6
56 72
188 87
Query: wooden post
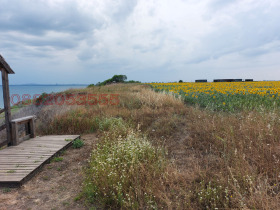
15 137
7 106
32 128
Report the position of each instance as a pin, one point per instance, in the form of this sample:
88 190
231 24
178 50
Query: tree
119 78
180 80
114 79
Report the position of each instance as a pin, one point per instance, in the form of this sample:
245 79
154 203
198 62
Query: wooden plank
6 168
14 172
10 179
26 153
19 166
4 66
29 162
19 163
23 119
39 146
24 158
33 150
21 155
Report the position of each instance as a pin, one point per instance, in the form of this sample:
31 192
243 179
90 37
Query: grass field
154 151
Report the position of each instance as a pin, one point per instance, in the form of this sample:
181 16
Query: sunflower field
227 96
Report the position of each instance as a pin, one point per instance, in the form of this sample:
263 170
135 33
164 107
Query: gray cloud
37 17
220 4
124 10
152 40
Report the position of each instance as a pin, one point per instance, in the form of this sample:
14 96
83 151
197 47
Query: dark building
201 80
227 80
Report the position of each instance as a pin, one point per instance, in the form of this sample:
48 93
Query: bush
123 167
112 123
91 85
114 79
132 81
42 99
78 143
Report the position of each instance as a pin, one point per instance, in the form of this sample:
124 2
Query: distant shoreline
18 92
51 85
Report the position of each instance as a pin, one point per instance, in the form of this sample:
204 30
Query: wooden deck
19 163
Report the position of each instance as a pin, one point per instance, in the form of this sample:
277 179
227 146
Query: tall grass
122 169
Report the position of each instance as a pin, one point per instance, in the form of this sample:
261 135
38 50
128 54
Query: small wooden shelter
6 70
10 125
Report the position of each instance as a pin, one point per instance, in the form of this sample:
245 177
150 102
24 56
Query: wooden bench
29 128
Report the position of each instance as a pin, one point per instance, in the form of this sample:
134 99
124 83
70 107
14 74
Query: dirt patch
56 186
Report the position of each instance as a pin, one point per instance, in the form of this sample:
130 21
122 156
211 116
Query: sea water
18 91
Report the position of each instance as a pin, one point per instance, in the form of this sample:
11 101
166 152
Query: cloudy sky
86 41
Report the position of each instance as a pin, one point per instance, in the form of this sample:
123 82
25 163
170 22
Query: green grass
6 190
57 159
78 143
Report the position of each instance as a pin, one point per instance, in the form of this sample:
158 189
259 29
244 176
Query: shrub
121 170
114 79
113 124
78 143
91 85
42 99
213 196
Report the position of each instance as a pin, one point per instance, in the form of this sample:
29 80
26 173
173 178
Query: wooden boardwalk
19 163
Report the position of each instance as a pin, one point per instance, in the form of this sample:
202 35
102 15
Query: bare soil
56 186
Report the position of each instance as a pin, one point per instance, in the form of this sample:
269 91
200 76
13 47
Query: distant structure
227 80
249 80
201 80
